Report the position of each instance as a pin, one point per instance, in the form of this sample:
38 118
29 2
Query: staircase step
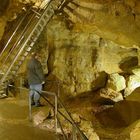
22 58
50 12
42 22
16 67
38 14
28 49
32 44
30 36
40 27
45 17
13 72
25 54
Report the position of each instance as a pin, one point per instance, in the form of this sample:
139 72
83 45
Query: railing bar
74 136
64 135
46 100
14 32
36 12
58 89
21 35
19 39
24 44
30 109
73 122
56 109
45 5
50 93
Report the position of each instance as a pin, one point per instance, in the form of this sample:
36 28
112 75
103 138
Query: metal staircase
13 57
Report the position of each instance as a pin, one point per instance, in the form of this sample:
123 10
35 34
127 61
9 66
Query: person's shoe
38 105
32 103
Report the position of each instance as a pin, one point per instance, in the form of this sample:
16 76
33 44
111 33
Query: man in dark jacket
35 78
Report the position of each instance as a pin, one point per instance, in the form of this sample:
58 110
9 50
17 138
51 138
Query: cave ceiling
117 20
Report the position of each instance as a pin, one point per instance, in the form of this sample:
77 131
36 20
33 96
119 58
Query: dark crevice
3 6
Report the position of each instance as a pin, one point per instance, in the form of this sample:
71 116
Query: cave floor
111 121
14 122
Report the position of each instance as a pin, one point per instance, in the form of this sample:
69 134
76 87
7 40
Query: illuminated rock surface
99 38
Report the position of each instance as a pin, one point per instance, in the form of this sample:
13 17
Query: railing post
30 109
20 90
56 109
58 91
6 88
74 136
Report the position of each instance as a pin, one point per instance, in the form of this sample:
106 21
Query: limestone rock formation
111 94
135 135
116 82
132 83
85 43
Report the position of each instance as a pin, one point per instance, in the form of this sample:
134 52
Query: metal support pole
58 92
30 109
6 88
74 136
56 114
20 90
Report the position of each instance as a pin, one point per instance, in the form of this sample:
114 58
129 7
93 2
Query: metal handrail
20 38
18 41
21 21
23 45
64 135
72 122
9 40
22 34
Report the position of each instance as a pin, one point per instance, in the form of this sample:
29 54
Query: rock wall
79 59
83 50
115 20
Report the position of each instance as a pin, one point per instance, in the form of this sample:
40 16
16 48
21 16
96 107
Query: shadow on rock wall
99 81
3 6
129 62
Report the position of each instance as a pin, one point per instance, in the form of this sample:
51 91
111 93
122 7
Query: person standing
35 79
